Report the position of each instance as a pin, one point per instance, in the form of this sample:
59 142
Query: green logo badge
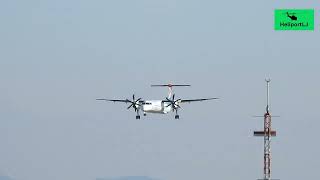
294 19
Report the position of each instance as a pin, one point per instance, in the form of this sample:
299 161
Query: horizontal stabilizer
169 85
269 115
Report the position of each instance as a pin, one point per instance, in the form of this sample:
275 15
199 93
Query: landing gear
144 113
138 115
176 116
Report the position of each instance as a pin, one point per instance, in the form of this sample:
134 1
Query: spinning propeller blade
173 103
134 103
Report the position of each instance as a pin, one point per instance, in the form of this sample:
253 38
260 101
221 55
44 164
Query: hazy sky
58 56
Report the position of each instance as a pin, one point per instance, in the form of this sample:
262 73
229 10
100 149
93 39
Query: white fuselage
155 106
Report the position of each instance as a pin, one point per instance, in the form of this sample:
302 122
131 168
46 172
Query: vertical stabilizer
169 92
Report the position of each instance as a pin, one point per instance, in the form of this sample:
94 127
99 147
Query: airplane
157 106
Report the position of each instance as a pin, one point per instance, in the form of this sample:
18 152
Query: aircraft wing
119 100
194 100
115 100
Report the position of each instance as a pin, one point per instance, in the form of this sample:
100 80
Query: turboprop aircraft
157 106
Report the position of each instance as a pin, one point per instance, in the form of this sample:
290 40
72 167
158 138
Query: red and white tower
267 133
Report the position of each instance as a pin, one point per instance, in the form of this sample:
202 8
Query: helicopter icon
292 16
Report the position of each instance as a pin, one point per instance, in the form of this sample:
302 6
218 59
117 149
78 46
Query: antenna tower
267 133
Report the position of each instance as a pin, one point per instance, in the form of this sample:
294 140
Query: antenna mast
267 133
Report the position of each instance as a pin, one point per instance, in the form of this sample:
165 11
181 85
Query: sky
57 57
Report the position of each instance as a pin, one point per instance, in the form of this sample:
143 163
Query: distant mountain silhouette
5 178
127 178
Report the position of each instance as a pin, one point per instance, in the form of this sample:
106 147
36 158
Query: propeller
173 103
134 103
